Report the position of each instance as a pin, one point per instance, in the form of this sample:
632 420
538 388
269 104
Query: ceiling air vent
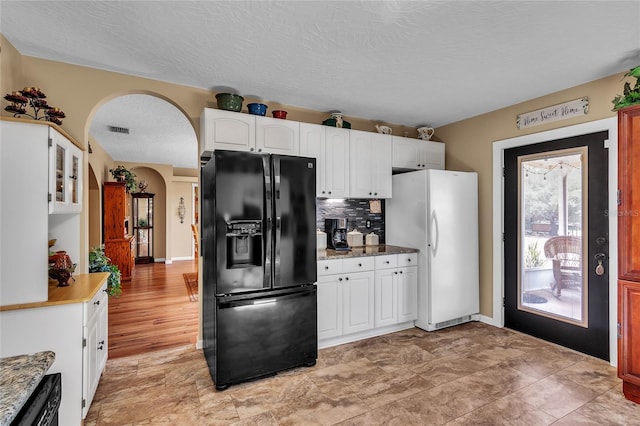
116 129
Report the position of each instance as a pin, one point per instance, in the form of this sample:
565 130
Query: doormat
532 298
191 281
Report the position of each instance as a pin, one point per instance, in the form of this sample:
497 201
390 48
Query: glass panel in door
75 166
61 195
552 201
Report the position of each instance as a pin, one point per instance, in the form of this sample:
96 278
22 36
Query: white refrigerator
436 211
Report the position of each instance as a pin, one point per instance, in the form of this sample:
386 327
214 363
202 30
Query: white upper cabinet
416 154
229 130
65 174
370 165
277 136
330 147
235 131
337 163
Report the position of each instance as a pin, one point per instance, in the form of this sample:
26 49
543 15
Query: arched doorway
153 138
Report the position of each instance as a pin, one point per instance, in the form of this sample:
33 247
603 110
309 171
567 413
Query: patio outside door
556 242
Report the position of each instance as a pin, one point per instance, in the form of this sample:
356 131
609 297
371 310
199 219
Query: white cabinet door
407 153
386 297
65 174
382 165
329 306
407 294
312 144
358 302
361 182
336 163
221 129
432 155
277 136
370 165
90 375
103 332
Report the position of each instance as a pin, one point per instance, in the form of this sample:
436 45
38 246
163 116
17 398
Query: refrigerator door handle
268 213
435 233
278 220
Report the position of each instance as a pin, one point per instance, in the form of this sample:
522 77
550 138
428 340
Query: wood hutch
119 246
629 251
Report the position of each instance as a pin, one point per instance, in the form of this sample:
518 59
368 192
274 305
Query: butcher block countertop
360 251
81 290
19 376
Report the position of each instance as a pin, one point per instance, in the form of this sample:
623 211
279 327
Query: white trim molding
607 124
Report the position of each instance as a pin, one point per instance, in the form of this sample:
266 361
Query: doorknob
600 257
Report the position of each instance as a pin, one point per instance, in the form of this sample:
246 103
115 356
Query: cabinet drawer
358 264
93 306
388 261
408 259
329 267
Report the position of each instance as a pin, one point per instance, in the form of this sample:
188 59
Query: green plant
533 257
99 262
631 95
122 174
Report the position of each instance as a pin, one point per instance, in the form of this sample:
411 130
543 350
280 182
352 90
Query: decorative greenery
99 262
533 257
631 96
122 174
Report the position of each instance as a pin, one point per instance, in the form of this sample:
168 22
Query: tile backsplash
357 213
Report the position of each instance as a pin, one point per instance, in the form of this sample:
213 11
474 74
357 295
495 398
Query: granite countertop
360 251
19 376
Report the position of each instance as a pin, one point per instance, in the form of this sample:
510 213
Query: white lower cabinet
345 296
396 289
95 345
76 332
360 297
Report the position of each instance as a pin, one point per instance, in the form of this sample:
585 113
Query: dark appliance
259 264
42 406
336 230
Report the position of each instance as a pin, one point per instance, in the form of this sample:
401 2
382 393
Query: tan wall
469 148
10 67
182 237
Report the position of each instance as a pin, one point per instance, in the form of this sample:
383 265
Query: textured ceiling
403 62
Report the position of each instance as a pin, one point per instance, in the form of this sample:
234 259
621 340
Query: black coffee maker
336 230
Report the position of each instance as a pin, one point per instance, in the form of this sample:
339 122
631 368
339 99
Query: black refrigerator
259 264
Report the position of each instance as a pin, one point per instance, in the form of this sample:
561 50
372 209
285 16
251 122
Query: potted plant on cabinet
631 95
122 174
99 262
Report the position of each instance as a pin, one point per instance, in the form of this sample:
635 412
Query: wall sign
553 113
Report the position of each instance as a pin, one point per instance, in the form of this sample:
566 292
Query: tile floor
472 374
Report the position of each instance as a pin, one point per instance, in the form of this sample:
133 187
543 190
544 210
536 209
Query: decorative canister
321 240
372 239
354 238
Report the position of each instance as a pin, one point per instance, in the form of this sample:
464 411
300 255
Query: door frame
499 146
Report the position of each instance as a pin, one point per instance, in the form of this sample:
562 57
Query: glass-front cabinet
142 213
65 175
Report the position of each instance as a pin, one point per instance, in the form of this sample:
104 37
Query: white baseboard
182 258
199 344
334 341
485 319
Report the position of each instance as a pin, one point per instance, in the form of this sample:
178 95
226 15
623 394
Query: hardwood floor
154 311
